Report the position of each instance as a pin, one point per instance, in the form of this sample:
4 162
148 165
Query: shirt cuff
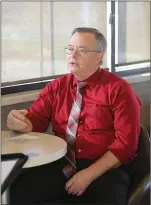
122 152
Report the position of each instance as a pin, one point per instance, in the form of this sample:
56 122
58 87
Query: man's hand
17 121
82 179
79 182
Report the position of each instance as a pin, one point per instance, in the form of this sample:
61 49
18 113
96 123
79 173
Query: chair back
140 167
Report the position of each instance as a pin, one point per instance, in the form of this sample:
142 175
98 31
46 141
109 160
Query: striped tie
71 130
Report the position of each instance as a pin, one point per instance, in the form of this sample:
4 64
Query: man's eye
70 49
82 51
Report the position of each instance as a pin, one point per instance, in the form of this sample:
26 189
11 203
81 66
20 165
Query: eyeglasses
79 51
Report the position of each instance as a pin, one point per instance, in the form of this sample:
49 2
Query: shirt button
80 121
79 150
78 135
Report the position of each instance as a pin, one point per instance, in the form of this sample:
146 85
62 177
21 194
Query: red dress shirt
109 119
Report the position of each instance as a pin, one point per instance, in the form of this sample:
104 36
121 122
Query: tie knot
81 84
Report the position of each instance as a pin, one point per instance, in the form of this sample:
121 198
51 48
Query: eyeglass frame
78 51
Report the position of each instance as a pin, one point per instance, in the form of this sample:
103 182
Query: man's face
81 62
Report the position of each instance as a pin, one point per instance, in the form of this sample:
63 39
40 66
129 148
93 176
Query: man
98 114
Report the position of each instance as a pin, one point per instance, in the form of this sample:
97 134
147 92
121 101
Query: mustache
73 61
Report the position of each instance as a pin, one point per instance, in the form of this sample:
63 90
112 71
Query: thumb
24 112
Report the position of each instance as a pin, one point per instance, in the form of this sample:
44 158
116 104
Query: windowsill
20 97
28 96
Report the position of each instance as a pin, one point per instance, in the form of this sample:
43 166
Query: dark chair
139 190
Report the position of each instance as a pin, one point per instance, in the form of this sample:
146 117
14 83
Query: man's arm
82 179
126 108
37 117
102 165
40 111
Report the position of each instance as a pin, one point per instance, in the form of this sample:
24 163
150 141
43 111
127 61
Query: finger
80 193
68 184
18 115
12 120
18 125
72 189
10 126
24 112
75 192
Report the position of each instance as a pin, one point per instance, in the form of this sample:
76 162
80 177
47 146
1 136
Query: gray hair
101 41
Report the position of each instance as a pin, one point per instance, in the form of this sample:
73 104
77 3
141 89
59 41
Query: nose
75 53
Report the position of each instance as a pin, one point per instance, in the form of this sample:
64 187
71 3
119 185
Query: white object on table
40 147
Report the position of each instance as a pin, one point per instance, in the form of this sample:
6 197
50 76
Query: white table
40 147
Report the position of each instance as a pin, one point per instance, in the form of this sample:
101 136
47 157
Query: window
26 40
131 34
34 35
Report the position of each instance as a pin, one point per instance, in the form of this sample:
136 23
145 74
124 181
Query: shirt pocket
98 117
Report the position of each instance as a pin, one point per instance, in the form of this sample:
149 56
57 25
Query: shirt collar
91 80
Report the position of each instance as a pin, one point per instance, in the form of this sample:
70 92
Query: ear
100 57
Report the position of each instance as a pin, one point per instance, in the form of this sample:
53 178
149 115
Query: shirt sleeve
126 108
40 111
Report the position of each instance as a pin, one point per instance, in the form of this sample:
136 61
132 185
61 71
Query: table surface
40 147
